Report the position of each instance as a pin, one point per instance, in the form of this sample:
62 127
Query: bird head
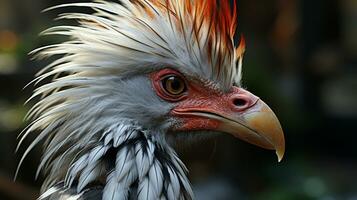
199 105
164 67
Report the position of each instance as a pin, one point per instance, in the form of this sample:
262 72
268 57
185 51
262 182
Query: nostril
240 102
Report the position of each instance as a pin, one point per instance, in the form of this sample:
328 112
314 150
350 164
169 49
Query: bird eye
174 85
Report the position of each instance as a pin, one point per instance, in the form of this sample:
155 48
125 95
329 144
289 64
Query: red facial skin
202 98
201 107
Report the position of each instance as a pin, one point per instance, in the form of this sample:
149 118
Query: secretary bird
134 78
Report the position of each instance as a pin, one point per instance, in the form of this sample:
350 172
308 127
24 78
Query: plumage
108 119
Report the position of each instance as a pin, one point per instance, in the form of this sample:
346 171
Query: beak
240 114
260 127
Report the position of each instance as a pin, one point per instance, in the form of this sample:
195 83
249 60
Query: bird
134 79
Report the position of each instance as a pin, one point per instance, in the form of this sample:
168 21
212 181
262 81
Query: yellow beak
258 126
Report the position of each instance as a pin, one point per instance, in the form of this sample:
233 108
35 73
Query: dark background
301 59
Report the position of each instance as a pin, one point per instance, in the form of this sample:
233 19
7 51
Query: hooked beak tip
280 155
258 126
267 125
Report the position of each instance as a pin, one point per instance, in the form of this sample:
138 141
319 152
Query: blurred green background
301 59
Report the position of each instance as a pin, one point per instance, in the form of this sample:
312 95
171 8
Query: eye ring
170 85
173 85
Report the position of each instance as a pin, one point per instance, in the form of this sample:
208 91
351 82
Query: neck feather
128 163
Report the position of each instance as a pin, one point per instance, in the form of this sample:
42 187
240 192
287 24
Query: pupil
175 83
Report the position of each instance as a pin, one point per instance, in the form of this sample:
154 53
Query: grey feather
173 188
97 153
75 168
156 178
113 190
60 193
144 158
124 163
89 174
145 191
